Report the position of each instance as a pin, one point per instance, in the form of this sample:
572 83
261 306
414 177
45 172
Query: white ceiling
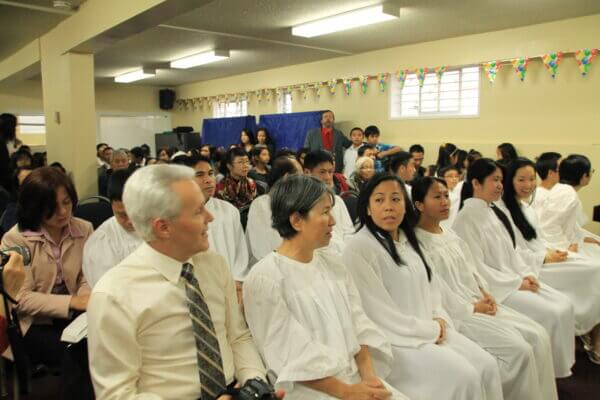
21 25
257 32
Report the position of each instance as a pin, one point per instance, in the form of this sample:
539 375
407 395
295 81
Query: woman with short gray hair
304 310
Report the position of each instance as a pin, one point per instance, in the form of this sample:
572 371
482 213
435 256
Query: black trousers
43 345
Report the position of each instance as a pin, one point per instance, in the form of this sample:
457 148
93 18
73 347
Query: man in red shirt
328 138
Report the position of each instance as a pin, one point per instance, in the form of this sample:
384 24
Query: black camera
22 250
255 389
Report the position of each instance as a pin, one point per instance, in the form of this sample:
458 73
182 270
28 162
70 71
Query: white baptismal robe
578 277
562 218
504 269
454 206
520 345
106 247
401 301
226 236
263 238
308 323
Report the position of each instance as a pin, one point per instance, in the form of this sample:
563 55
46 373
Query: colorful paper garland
584 58
401 75
364 83
551 62
421 74
382 80
520 66
491 70
347 85
439 72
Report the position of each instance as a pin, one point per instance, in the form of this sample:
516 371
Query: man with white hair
164 323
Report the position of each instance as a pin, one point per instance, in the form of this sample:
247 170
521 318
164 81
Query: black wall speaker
166 98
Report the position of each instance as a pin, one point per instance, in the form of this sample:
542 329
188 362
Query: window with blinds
31 124
455 95
230 109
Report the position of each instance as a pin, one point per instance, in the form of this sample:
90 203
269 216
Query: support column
70 110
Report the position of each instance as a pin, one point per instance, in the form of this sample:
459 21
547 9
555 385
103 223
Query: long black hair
508 152
382 236
479 170
510 198
420 187
444 153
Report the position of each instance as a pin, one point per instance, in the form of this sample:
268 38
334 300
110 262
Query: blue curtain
226 131
289 130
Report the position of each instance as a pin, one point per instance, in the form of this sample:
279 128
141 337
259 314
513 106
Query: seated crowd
345 270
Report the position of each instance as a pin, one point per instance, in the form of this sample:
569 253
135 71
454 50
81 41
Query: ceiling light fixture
135 75
348 20
200 59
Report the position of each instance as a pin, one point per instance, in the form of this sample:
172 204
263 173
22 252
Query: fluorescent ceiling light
348 20
200 59
135 75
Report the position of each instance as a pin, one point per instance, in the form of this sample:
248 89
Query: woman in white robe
401 296
575 274
511 281
520 345
561 215
303 308
452 176
264 239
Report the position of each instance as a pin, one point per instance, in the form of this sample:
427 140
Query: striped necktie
210 364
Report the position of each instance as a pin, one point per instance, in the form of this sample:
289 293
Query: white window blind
456 94
284 103
31 124
230 109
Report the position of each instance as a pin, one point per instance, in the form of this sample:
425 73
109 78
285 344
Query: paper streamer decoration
520 66
421 73
304 91
439 72
318 89
551 62
347 85
269 94
382 79
584 59
491 70
364 82
401 75
259 95
332 84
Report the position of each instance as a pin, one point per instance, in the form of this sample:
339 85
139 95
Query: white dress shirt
140 338
226 236
105 248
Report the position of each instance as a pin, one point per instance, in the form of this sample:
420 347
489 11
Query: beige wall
26 97
537 115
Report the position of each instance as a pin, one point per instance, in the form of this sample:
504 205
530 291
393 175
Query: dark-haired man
115 239
418 155
225 233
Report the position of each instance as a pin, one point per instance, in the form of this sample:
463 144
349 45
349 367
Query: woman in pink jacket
54 288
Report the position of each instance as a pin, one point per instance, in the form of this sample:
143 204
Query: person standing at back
8 124
328 138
